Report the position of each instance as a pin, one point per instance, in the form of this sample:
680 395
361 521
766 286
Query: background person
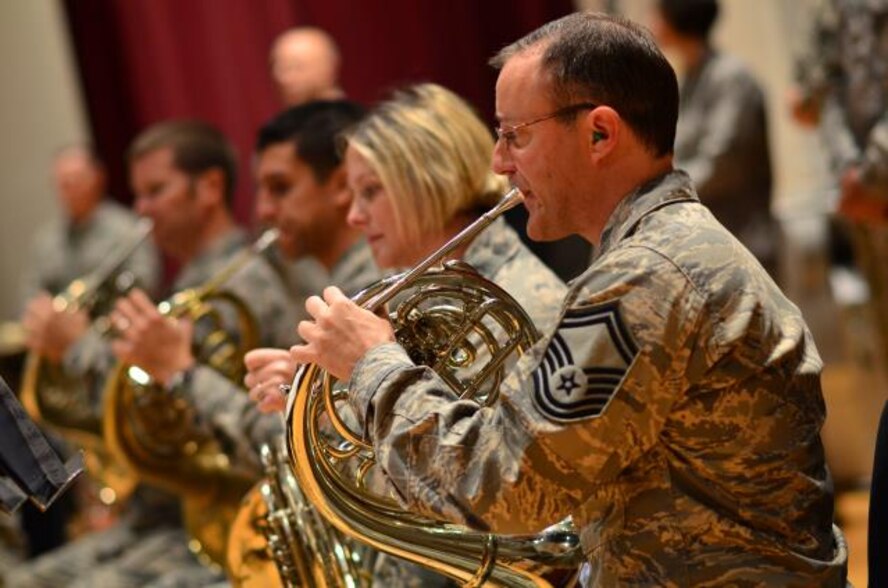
721 140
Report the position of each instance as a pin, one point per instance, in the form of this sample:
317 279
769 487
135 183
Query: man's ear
210 187
602 127
337 188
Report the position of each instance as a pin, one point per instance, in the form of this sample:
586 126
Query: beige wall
40 109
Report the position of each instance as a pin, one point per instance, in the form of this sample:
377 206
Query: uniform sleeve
33 279
586 402
88 362
223 404
226 407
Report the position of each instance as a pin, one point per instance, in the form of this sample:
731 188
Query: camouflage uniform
62 253
722 142
226 404
852 65
149 541
674 413
499 255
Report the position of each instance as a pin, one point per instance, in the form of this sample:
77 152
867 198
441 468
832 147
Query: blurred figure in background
722 138
305 66
89 228
850 50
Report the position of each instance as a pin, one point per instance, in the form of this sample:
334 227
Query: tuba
157 433
468 330
62 402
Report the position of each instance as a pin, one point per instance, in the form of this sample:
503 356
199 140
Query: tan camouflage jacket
674 413
226 404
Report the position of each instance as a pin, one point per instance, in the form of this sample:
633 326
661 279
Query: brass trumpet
62 402
449 318
156 432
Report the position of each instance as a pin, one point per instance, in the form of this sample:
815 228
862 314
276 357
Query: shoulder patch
584 363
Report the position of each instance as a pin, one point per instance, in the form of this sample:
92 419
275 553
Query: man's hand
51 332
267 370
859 203
340 335
156 343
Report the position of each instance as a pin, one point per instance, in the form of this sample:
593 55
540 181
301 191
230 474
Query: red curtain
142 61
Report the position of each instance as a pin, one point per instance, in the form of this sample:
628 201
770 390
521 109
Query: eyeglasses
509 134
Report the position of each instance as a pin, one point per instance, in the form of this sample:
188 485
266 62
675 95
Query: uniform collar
669 188
492 248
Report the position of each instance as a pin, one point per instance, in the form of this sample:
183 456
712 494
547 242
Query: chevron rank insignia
583 364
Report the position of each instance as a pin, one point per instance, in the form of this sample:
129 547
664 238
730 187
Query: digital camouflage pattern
701 463
227 406
61 253
721 141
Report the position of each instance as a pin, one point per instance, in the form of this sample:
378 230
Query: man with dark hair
301 193
722 136
674 412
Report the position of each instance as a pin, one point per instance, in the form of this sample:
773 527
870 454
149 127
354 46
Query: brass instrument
62 402
157 433
278 539
449 318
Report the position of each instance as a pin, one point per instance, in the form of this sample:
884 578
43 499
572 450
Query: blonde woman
419 170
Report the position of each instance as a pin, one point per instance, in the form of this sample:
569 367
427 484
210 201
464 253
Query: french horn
468 330
157 432
279 539
61 401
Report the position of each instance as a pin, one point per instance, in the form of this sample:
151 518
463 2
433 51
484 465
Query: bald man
305 66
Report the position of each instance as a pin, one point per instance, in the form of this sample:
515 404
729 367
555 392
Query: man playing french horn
406 215
183 174
674 412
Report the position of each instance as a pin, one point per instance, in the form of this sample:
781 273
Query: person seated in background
67 248
305 66
722 136
71 247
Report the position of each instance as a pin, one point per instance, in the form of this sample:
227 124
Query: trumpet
449 318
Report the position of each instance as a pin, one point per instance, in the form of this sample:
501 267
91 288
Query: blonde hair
432 155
